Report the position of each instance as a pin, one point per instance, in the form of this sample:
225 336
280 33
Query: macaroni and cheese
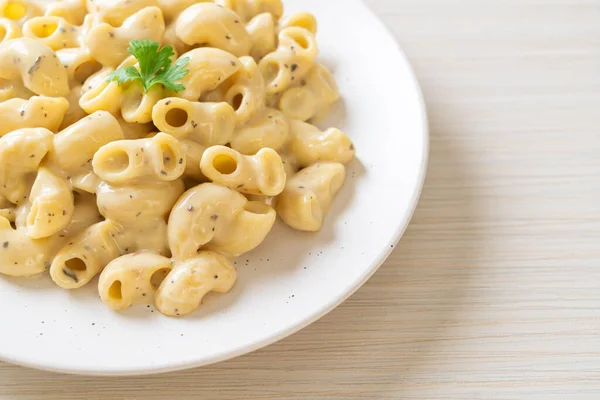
150 142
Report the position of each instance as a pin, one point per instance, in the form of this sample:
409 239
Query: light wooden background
494 292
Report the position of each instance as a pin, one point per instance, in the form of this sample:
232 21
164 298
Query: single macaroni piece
206 123
221 216
19 11
130 204
23 256
182 291
136 106
260 174
98 94
21 153
132 279
54 32
73 11
268 128
313 100
292 60
79 63
262 35
248 9
213 26
75 146
108 44
160 158
208 69
52 205
308 195
244 90
301 20
9 30
250 228
86 255
35 64
74 112
116 12
37 112
310 145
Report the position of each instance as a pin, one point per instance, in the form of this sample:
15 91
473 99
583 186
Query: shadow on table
386 333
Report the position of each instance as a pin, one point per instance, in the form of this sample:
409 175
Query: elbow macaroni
156 192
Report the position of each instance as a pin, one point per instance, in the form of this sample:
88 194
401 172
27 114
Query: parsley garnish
155 67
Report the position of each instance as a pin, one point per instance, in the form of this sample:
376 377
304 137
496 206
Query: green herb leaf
155 67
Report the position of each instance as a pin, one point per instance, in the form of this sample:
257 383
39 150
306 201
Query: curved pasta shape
205 123
262 35
37 112
132 279
116 12
197 216
308 195
247 232
74 113
86 255
35 64
245 90
52 205
292 60
261 174
211 25
21 153
208 69
19 11
310 145
217 217
313 100
75 146
267 129
160 158
73 11
186 285
108 44
247 9
9 30
301 20
79 63
100 95
23 256
54 32
130 204
136 106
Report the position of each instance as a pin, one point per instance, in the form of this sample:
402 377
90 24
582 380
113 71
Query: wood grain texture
494 292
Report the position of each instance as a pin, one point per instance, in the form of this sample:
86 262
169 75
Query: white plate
293 278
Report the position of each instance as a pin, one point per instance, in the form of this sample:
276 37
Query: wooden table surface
494 292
